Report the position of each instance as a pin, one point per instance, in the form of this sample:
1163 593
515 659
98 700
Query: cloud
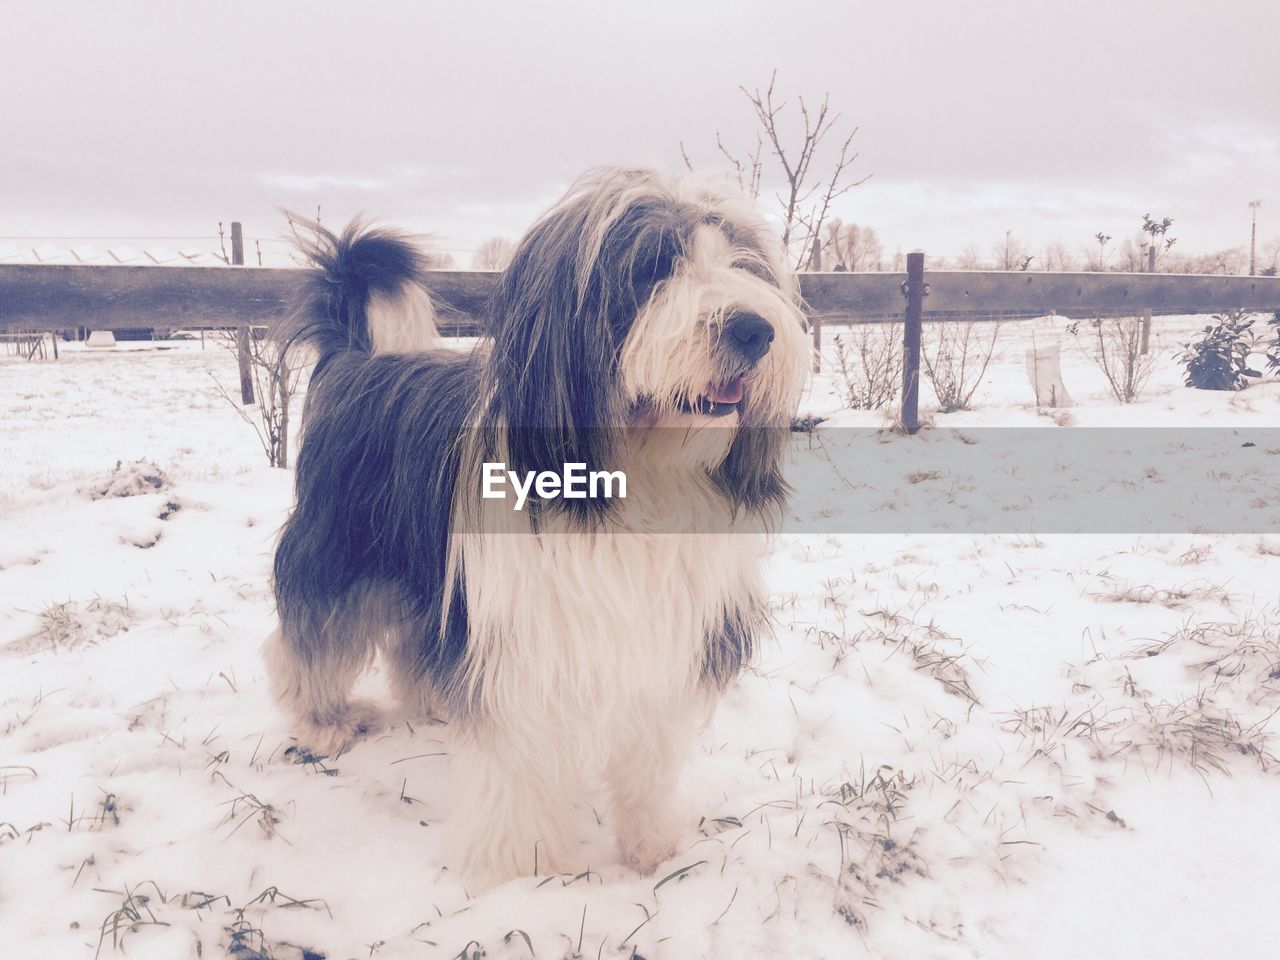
466 122
310 183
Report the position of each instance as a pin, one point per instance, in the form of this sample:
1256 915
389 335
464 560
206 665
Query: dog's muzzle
746 336
749 334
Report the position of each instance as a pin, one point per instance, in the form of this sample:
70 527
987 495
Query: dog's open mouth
717 400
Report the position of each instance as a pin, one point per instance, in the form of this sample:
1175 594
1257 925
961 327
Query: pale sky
467 119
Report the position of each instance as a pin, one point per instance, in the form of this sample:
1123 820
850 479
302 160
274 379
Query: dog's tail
367 293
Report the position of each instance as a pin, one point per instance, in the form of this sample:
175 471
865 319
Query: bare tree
440 260
493 254
1011 253
1058 257
970 258
1098 260
1132 255
834 254
748 170
1270 257
1230 262
847 246
865 250
805 194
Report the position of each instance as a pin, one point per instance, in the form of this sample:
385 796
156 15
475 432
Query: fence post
914 289
1145 346
242 332
815 323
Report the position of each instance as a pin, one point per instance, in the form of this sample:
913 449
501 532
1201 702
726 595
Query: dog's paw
491 863
649 828
645 852
336 733
420 704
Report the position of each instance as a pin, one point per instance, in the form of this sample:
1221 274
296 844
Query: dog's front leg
517 799
643 775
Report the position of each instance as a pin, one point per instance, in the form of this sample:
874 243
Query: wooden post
1253 237
246 370
1145 346
815 323
911 329
242 332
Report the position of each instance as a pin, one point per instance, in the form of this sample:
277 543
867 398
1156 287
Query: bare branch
834 189
222 243
804 199
275 380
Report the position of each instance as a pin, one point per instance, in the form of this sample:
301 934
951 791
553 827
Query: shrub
1219 360
1117 350
129 480
869 361
275 379
959 361
1273 351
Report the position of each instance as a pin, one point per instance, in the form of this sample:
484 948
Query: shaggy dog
645 327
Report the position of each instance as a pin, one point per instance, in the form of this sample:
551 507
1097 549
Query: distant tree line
851 246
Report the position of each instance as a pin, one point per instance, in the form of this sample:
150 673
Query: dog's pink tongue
730 392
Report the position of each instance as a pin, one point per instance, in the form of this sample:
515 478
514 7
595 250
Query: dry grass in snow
957 745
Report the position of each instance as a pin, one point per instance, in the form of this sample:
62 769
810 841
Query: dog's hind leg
312 666
411 677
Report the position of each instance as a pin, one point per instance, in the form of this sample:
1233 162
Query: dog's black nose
751 334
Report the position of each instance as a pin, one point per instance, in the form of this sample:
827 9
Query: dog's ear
561 314
750 476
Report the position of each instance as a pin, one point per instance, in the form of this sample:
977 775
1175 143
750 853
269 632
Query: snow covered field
959 745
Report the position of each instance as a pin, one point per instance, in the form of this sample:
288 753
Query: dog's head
638 302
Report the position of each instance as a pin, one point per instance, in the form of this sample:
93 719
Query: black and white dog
645 326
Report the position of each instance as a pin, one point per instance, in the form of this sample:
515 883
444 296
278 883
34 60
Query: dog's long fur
576 638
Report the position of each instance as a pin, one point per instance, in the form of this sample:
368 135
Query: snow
959 744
